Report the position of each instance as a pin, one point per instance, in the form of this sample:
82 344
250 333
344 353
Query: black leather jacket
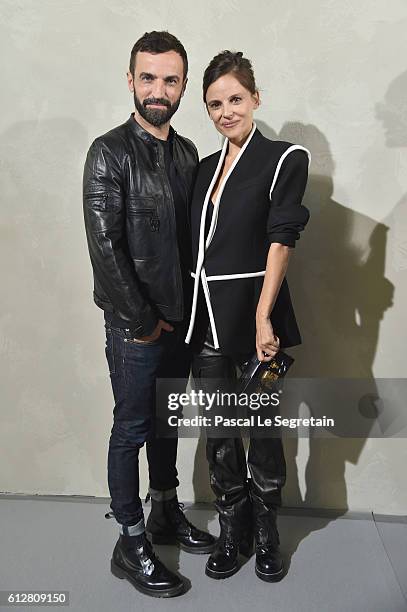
130 224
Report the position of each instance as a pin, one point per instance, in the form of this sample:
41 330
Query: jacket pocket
152 215
143 228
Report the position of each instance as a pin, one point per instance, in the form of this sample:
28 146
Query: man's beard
156 116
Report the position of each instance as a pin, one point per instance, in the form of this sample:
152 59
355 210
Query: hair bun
227 62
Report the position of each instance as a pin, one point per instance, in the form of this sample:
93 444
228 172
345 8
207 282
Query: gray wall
332 77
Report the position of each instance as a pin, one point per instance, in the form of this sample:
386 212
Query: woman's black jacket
258 203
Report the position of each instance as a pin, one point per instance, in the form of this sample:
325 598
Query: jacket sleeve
287 216
104 213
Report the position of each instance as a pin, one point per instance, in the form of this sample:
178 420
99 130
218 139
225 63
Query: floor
347 563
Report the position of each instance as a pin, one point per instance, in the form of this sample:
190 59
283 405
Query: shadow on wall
50 372
340 295
392 113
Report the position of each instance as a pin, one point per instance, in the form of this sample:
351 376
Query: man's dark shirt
181 212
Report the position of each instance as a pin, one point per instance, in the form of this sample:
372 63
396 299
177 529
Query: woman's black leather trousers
226 456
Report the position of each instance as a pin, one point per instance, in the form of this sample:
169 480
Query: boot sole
220 575
168 540
269 577
122 574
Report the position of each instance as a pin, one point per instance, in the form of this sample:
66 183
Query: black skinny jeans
226 456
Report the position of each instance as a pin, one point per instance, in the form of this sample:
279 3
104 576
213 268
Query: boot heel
116 571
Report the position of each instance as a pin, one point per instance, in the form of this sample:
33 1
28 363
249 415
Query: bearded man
137 185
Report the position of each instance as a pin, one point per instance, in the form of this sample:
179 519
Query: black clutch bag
261 375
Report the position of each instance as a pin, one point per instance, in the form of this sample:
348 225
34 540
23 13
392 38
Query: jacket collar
144 135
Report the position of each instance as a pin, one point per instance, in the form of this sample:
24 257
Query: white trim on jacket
280 163
231 276
200 273
200 270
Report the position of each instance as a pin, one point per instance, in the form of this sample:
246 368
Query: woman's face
230 106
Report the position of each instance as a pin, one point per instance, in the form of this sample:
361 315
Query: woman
246 216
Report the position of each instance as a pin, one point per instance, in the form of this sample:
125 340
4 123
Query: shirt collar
146 136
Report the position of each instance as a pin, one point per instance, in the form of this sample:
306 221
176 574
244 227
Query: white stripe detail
232 276
216 204
202 246
282 158
210 311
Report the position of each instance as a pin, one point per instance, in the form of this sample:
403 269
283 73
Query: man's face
158 85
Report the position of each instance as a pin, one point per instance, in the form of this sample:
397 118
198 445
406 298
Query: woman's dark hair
226 62
158 42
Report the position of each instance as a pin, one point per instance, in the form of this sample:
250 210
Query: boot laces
148 558
178 510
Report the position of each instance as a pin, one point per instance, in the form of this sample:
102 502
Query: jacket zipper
154 219
94 195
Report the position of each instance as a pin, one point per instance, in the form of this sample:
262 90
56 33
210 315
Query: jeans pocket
109 351
138 342
130 339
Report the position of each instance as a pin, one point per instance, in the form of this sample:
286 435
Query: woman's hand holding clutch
267 344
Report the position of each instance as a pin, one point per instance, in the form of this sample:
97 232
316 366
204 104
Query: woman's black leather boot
269 563
236 536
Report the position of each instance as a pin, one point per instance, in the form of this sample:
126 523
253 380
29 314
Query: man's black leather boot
236 536
134 559
167 524
269 564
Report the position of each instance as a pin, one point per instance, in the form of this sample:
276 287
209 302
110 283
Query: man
137 183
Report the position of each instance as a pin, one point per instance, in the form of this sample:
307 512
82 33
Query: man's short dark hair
158 42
